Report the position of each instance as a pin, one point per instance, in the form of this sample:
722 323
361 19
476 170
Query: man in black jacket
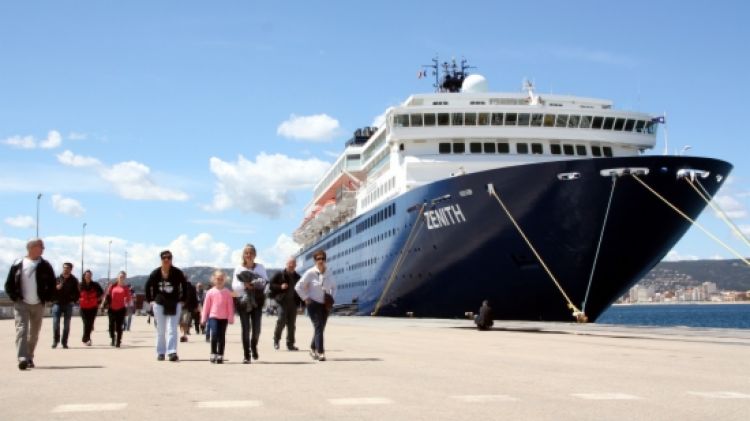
165 290
282 290
30 283
65 295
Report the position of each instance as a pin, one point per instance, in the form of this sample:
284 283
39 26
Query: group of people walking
31 283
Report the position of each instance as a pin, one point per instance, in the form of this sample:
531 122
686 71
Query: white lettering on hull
444 217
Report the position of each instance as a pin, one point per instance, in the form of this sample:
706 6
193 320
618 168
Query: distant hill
733 275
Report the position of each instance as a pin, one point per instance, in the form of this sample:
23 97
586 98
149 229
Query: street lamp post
109 261
83 241
38 197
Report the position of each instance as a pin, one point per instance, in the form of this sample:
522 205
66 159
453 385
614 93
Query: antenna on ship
434 70
453 74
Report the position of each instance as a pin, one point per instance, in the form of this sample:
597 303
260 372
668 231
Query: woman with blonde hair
248 282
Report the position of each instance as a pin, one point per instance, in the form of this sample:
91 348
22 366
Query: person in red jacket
91 293
118 297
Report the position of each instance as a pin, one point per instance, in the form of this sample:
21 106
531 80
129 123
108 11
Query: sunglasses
320 259
166 258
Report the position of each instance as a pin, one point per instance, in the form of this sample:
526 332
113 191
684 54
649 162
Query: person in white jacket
312 289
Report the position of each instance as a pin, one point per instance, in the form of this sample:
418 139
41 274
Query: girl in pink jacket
218 310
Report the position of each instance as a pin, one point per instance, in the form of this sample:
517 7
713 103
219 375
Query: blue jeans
166 329
65 310
218 338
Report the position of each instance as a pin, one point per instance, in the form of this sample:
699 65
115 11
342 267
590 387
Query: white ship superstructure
446 134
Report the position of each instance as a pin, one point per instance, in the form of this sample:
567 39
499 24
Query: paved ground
381 369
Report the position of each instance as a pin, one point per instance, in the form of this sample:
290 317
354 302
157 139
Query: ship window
555 149
619 124
457 119
585 122
443 119
629 125
503 147
581 150
429 119
401 120
597 123
572 121
608 123
470 119
475 147
607 151
639 125
536 120
536 148
510 119
650 127
444 147
562 120
522 148
596 150
568 150
483 119
497 119
549 120
401 147
459 147
416 120
489 147
523 119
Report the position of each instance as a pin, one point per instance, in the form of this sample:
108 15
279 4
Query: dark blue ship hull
440 249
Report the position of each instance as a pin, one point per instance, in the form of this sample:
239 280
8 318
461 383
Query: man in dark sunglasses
165 290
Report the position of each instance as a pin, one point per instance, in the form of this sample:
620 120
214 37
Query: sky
203 126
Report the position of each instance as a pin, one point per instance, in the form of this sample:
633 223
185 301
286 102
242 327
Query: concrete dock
383 369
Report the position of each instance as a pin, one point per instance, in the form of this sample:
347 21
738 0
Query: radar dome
474 84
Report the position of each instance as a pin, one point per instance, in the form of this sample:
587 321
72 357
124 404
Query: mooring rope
400 260
599 244
703 193
692 221
578 314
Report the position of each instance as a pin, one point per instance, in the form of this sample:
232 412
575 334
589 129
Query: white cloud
67 206
132 180
262 186
21 221
21 142
674 256
745 229
319 127
276 255
77 136
72 160
52 141
731 206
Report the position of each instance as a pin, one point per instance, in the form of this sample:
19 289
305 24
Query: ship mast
453 74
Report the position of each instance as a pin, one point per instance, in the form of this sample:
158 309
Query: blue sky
201 126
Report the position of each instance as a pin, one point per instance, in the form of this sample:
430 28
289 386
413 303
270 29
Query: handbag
328 301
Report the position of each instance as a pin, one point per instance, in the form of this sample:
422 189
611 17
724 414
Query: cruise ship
545 205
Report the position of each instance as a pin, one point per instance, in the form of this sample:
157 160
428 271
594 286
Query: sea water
732 316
